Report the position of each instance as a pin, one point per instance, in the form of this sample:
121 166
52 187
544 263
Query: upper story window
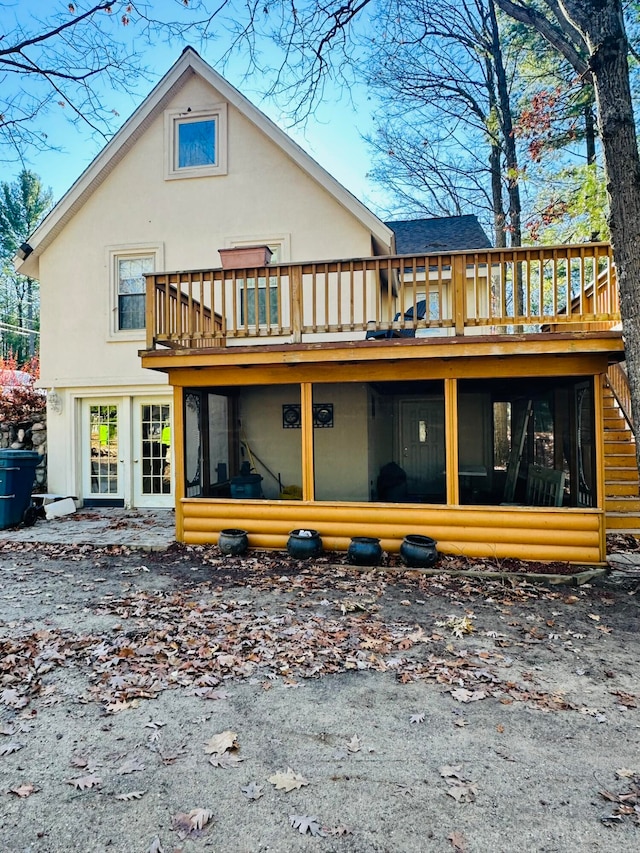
260 301
131 291
196 142
127 268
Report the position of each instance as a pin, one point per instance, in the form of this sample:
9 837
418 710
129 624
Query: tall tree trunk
590 131
31 351
495 160
499 219
506 120
602 24
511 156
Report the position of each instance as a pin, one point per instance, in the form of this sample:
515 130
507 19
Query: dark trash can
17 476
246 487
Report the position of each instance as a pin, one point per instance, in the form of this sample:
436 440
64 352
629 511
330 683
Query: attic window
196 142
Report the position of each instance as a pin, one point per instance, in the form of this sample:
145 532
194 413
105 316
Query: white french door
102 460
152 453
126 451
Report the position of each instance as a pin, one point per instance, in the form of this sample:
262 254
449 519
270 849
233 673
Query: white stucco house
371 378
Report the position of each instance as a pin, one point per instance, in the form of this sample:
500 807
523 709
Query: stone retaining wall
27 436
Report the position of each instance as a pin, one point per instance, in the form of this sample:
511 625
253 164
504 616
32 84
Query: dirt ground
185 701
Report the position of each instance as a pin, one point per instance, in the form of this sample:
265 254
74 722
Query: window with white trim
131 291
196 142
128 267
261 300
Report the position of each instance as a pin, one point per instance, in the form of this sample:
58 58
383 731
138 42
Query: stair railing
619 384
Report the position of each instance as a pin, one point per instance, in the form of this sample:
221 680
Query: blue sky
333 135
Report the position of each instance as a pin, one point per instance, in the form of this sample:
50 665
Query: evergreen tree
23 203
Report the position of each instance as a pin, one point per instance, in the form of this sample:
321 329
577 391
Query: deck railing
478 292
619 384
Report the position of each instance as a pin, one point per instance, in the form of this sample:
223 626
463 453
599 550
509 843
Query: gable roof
444 234
190 63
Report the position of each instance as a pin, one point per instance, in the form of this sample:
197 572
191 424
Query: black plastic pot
364 551
419 552
304 543
233 542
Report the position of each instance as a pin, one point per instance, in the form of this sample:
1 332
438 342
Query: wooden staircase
622 484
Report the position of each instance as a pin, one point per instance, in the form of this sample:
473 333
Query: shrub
20 401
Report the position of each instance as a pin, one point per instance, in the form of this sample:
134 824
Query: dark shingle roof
445 234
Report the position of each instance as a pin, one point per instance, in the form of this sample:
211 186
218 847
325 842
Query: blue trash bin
17 476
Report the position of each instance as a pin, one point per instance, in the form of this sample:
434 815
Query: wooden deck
535 290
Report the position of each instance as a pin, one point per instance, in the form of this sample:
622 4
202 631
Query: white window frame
172 120
115 254
280 243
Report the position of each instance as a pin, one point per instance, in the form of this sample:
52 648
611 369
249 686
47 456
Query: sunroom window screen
131 291
196 143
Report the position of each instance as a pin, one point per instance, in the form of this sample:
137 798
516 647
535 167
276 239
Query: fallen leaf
221 743
461 694
459 625
500 728
252 791
624 773
130 795
629 700
594 616
287 781
460 722
340 831
117 707
155 846
416 718
449 770
225 760
305 823
354 744
9 748
24 790
211 693
130 766
190 823
462 791
83 783
458 841
12 698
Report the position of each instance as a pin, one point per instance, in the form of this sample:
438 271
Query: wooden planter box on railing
547 288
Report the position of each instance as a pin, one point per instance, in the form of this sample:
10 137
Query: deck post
296 304
451 440
177 458
149 308
600 473
458 273
306 422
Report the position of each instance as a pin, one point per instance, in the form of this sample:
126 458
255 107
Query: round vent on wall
291 418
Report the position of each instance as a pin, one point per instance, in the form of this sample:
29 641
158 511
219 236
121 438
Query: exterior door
422 448
102 468
152 453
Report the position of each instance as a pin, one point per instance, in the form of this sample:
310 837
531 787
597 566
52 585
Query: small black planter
233 542
419 552
304 543
364 551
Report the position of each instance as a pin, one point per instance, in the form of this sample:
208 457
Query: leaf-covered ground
185 701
